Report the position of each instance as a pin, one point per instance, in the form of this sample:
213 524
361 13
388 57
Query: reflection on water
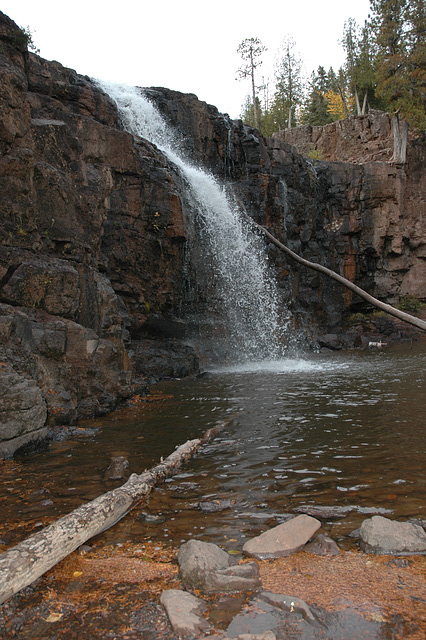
342 430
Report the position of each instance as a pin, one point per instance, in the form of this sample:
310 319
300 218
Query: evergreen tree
400 27
359 66
289 91
316 111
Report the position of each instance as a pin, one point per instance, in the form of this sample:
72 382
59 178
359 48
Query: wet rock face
364 220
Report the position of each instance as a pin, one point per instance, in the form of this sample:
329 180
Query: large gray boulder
383 536
205 566
283 540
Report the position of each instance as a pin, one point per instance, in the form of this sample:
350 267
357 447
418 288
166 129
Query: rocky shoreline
312 590
205 568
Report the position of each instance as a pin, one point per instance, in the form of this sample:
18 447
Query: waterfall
232 256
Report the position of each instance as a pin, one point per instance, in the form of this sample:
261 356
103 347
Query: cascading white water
237 261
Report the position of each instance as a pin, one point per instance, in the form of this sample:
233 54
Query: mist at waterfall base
248 325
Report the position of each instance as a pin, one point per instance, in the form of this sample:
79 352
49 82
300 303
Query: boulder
283 540
383 536
205 566
185 613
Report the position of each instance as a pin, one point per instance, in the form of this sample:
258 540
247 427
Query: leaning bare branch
401 315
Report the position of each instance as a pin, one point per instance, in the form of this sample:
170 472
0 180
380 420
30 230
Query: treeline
385 68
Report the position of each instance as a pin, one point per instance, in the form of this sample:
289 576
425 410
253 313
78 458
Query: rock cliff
94 298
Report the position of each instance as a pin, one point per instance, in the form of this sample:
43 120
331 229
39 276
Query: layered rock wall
359 139
92 247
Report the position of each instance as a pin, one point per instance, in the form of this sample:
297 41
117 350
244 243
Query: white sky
187 45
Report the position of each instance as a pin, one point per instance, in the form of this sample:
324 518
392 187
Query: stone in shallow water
317 511
383 536
185 613
205 566
323 545
266 635
284 616
283 540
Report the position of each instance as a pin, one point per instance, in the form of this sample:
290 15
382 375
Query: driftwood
406 317
30 559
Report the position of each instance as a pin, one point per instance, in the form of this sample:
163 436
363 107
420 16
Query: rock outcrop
357 139
94 278
92 249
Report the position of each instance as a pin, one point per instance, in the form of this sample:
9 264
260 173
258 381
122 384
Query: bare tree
250 50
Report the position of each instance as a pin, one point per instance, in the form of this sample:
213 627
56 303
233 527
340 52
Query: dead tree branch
401 315
30 559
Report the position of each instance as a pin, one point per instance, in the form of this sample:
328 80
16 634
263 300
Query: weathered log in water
401 315
30 559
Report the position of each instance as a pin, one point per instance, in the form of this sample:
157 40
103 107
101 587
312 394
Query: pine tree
359 65
400 27
315 111
289 85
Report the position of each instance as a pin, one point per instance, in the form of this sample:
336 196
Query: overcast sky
190 46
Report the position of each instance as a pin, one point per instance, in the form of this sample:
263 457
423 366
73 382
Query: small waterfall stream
231 256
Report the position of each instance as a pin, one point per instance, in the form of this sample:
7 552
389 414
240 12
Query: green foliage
315 110
399 27
289 90
314 154
23 40
385 68
411 304
364 318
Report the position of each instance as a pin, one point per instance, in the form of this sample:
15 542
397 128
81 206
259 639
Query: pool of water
339 430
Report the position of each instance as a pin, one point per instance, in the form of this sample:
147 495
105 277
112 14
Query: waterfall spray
233 256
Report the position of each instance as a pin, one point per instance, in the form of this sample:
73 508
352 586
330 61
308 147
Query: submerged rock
283 540
322 546
279 614
318 511
185 613
117 469
383 536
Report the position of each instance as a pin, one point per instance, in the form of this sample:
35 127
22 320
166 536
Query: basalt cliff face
94 274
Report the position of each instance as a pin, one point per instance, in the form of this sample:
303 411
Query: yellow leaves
335 105
53 617
77 574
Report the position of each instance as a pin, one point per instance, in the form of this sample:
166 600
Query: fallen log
401 315
31 558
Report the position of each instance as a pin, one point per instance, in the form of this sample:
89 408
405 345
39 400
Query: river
339 430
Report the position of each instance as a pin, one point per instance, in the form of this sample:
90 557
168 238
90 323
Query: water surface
345 430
